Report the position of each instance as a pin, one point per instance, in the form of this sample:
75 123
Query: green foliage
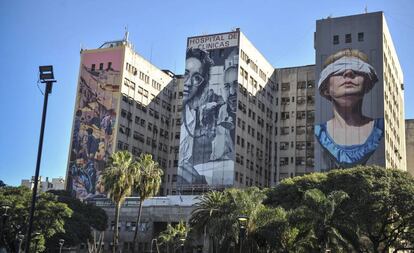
376 215
78 227
217 214
50 215
147 182
173 235
364 209
118 179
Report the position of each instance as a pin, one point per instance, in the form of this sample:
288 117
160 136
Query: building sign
217 41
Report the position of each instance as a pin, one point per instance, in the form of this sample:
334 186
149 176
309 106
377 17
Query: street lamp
46 76
242 220
4 217
36 238
61 242
20 238
156 245
182 241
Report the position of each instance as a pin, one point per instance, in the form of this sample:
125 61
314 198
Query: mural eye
197 79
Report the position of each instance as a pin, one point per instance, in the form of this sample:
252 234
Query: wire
38 81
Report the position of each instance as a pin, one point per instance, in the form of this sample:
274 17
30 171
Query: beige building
124 102
46 185
409 141
295 117
276 112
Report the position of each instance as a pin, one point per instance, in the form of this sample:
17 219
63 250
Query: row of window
310 100
249 181
101 66
301 85
308 161
300 145
310 115
348 38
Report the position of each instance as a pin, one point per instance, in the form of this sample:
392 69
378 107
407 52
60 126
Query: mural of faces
208 120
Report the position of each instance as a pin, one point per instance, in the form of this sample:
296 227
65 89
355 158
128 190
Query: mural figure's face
193 79
346 88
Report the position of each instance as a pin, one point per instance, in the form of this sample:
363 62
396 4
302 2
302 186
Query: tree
147 183
78 227
208 213
50 216
118 179
318 215
377 216
217 212
173 235
276 233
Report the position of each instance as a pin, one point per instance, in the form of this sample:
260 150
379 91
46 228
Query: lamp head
46 73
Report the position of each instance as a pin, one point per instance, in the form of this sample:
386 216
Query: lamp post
20 238
46 76
182 241
36 238
156 245
242 221
4 217
61 242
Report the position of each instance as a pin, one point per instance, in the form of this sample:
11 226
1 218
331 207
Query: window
284 161
284 145
284 115
336 39
360 36
100 66
109 65
93 67
348 38
285 101
301 85
285 86
284 130
301 115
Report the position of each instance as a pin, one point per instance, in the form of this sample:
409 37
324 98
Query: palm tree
118 179
318 214
146 184
173 235
207 214
217 212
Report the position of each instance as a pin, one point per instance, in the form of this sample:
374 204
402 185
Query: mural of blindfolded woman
349 138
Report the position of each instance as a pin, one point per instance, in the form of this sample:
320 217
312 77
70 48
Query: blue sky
41 32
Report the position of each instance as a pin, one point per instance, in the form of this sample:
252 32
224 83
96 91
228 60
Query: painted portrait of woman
348 138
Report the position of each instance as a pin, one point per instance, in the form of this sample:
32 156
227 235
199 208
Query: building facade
360 95
233 119
409 141
123 103
157 212
46 185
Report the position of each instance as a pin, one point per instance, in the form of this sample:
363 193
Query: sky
52 32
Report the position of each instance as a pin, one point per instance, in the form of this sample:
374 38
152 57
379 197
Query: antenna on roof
366 8
126 34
